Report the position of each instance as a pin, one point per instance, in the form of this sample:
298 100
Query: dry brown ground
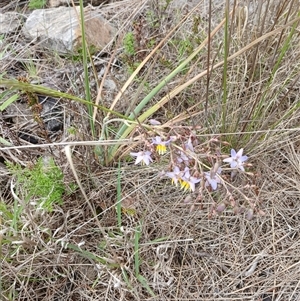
185 252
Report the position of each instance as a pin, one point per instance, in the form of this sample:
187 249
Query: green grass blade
144 283
91 256
136 250
126 278
5 142
8 102
119 197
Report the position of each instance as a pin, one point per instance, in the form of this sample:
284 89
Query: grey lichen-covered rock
59 28
10 22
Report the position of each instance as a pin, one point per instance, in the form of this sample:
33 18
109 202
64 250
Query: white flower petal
228 160
243 158
138 160
213 184
241 167
233 153
240 153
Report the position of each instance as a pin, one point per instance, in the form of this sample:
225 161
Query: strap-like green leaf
9 102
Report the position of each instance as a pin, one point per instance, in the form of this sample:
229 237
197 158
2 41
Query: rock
51 114
10 22
43 119
59 28
110 85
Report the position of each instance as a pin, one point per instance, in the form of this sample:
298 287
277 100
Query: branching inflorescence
183 158
197 167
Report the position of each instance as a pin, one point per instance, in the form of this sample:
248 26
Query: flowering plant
237 159
143 157
196 168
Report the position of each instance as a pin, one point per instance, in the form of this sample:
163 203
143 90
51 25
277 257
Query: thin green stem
136 250
85 68
119 196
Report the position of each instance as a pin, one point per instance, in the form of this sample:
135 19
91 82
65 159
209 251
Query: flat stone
109 84
10 22
59 28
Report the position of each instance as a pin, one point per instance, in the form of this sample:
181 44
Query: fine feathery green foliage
42 183
129 42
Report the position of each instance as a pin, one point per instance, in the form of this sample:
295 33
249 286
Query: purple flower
189 145
175 175
237 159
144 157
182 157
212 178
188 182
161 146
